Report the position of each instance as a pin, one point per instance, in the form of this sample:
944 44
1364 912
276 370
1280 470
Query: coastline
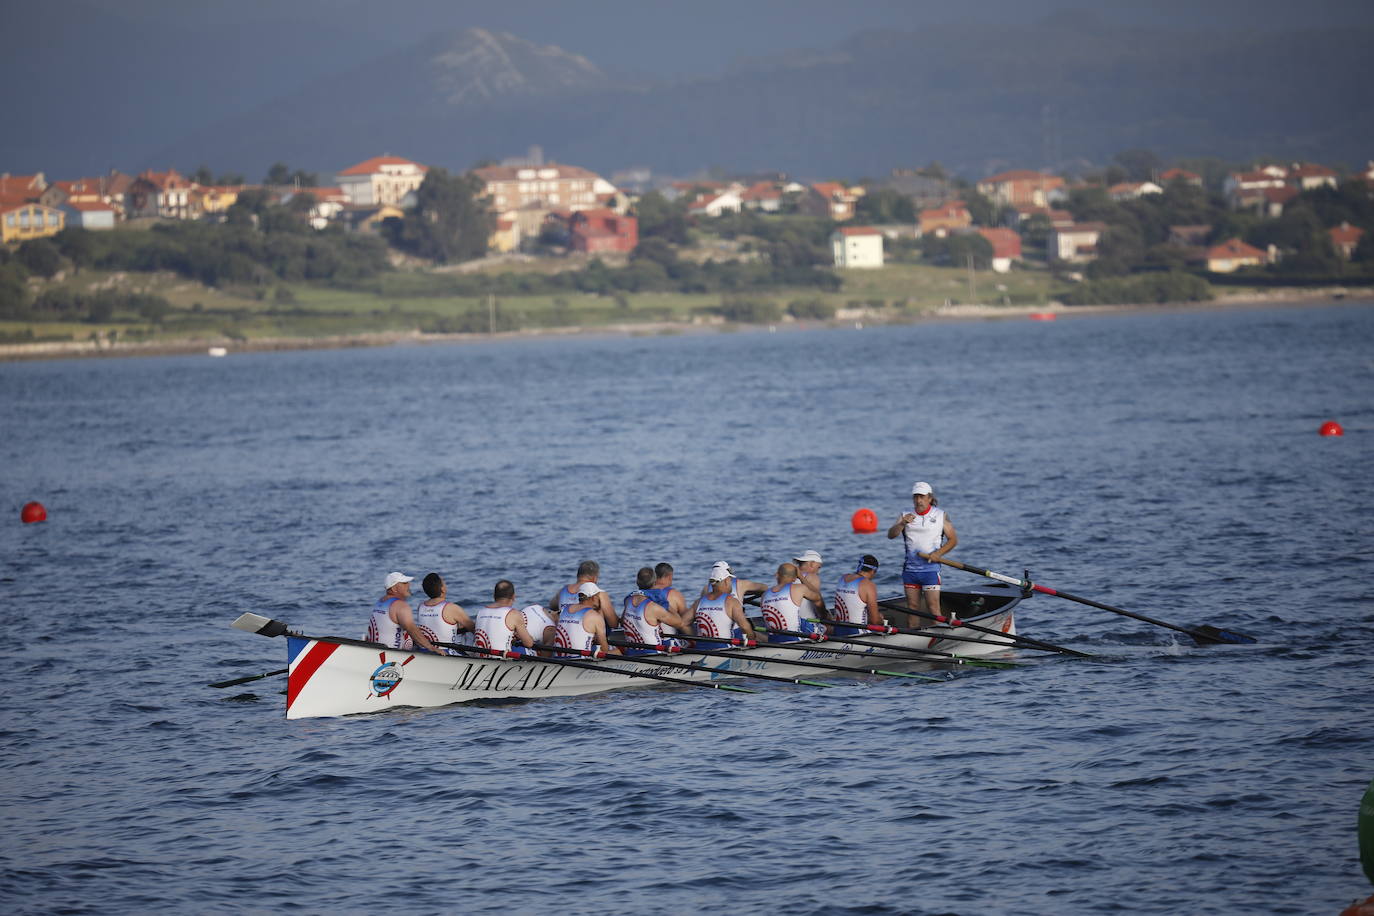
1294 297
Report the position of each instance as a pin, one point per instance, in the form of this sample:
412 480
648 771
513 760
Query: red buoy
1332 428
33 512
1043 316
864 521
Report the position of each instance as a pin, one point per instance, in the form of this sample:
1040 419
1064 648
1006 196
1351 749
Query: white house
380 180
89 214
716 204
857 246
1076 243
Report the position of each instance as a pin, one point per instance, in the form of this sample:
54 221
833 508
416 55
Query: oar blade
256 623
1210 635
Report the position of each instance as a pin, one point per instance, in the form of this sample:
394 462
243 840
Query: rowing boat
338 676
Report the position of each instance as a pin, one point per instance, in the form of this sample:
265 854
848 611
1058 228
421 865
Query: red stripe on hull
305 668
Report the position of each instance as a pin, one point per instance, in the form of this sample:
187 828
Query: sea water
1162 462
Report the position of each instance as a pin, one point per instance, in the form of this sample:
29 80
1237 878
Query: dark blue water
1164 463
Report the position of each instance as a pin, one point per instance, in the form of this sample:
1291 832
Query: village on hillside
530 200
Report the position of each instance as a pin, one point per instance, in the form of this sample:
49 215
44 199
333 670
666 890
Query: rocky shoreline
41 350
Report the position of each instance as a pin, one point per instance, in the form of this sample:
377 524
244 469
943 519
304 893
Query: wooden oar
1204 635
715 653
686 667
252 677
1017 640
571 663
896 653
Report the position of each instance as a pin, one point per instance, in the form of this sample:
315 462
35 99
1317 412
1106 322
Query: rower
718 612
665 595
808 564
927 535
541 624
645 619
500 626
438 618
392 622
740 588
783 605
856 597
581 627
587 571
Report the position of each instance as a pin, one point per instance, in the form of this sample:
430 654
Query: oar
568 662
797 663
1203 635
252 677
1017 640
686 667
896 653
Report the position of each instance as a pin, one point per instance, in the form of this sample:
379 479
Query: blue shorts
922 577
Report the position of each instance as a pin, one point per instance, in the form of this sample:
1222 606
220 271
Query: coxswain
808 564
718 612
438 618
581 627
856 597
587 571
392 622
647 620
783 605
500 626
927 536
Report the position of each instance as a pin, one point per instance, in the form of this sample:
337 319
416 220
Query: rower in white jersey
587 571
500 626
740 588
440 619
718 612
783 606
392 622
645 619
927 536
541 624
856 598
581 627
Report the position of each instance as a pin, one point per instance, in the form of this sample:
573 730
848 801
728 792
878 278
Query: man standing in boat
646 619
393 622
581 627
784 605
856 598
718 612
927 536
500 626
438 618
587 571
808 565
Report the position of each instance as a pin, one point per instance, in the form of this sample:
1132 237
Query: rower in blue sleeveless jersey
665 595
784 608
927 535
647 620
856 598
718 612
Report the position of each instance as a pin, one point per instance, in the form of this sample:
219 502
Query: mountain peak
477 65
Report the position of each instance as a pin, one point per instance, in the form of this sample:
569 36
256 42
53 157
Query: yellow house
506 236
216 199
21 220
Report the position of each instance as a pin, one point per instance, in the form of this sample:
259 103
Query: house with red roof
1306 176
942 220
764 196
380 181
1022 187
1182 175
1232 255
1345 238
160 194
857 246
1006 247
87 214
1130 190
727 201
22 217
829 199
595 231
1074 244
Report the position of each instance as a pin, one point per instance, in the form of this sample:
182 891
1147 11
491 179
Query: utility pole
972 287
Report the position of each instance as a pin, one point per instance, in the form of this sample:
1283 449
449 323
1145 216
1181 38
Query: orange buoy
864 521
33 512
1332 428
1043 316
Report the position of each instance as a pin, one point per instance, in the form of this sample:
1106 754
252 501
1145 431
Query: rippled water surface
1165 463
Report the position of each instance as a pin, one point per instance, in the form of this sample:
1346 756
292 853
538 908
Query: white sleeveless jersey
637 629
492 632
711 618
571 632
779 610
848 606
924 534
567 597
537 620
430 619
382 629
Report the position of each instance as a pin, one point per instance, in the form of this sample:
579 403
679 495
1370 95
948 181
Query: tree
448 224
885 206
658 218
40 256
279 173
1140 164
983 211
76 246
202 175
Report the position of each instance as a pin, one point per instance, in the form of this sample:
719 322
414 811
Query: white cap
396 578
921 487
809 556
720 572
588 589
